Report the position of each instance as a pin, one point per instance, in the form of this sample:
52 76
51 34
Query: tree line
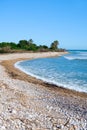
28 45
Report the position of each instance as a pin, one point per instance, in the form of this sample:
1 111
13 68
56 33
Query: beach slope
30 104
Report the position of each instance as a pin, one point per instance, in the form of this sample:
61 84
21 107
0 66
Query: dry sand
30 104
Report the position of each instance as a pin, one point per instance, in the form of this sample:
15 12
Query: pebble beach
27 103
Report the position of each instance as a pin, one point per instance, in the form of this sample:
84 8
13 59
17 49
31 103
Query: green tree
32 47
43 48
30 41
23 44
13 45
54 45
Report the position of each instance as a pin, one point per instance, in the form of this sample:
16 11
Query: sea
68 71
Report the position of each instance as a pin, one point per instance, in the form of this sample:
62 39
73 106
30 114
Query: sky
45 21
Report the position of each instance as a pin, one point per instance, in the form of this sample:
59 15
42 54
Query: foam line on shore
63 85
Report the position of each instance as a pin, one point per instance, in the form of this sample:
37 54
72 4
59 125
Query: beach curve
41 101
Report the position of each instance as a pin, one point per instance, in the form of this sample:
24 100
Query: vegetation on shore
24 45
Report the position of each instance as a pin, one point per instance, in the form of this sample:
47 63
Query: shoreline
17 73
45 80
58 102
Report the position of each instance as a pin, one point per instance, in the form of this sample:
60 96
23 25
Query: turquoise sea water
69 71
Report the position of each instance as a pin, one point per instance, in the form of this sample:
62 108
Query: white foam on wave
76 57
63 85
69 57
83 53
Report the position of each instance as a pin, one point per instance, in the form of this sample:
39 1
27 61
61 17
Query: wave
76 57
83 54
53 82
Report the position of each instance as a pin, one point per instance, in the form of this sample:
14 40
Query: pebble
30 114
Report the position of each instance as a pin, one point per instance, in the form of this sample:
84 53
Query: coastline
68 101
18 74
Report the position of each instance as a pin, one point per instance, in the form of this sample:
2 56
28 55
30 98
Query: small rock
3 128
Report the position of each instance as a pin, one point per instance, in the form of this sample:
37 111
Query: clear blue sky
45 21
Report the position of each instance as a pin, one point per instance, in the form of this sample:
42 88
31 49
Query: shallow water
69 71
